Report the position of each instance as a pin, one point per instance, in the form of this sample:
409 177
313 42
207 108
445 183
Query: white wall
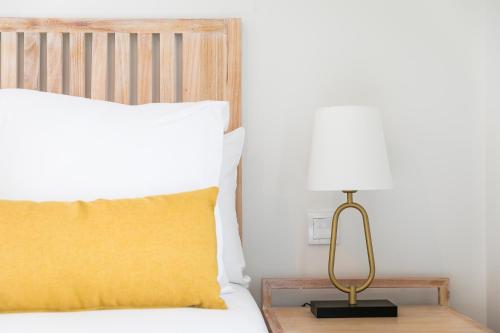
492 107
419 61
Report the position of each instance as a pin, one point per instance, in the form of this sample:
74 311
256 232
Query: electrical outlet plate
320 227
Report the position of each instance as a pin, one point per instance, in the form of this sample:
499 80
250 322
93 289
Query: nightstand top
411 319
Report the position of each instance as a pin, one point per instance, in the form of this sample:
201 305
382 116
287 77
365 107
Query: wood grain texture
8 60
233 89
204 66
144 68
31 71
440 284
168 75
77 64
55 62
122 68
411 319
98 84
112 25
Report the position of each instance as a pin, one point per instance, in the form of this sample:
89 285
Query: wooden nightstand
412 319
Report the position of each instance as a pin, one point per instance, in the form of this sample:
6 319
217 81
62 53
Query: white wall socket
320 227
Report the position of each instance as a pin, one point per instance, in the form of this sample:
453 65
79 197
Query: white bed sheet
242 316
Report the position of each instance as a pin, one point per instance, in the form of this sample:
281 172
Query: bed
242 315
131 62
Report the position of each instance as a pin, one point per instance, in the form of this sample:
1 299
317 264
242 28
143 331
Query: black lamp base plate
364 308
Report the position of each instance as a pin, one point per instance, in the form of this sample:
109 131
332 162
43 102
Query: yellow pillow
157 251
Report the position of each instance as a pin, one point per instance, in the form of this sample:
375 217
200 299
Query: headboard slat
221 67
144 68
191 70
55 62
99 65
77 64
233 88
8 61
122 68
31 68
203 66
168 73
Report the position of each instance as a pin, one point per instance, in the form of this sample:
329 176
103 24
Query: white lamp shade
348 150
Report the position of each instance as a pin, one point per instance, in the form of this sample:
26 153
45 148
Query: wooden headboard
126 61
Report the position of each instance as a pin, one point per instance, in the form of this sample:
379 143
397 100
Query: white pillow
58 147
232 252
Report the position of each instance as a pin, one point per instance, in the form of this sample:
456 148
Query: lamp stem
349 196
351 290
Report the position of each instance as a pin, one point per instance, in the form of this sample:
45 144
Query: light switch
320 227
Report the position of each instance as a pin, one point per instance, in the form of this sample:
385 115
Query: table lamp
348 154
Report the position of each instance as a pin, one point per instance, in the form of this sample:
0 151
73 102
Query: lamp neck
349 195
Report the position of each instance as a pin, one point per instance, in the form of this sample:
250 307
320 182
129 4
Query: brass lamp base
351 290
352 307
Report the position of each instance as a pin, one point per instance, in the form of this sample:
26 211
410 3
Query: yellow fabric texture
152 252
